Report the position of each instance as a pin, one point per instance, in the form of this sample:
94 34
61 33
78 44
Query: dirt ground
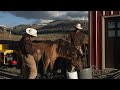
9 73
14 73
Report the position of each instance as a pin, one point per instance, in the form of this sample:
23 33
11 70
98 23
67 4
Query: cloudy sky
13 18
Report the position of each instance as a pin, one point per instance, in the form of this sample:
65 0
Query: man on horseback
77 38
29 69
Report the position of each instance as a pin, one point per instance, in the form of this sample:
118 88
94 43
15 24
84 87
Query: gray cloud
78 14
30 14
40 16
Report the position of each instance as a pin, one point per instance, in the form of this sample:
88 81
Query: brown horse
51 50
62 49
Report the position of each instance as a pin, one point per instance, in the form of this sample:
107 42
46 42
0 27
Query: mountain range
57 26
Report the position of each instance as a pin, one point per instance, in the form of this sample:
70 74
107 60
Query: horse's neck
63 53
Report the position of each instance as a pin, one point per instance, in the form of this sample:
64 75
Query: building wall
95 36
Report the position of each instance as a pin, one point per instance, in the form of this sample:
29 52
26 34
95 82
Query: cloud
49 15
30 14
43 21
77 14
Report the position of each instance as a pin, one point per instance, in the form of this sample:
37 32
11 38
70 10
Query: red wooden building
104 39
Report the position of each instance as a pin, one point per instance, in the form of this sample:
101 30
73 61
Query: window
111 33
111 25
118 34
118 24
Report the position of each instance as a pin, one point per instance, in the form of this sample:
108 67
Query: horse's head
69 51
76 60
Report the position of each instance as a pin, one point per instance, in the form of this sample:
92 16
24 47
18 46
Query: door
112 42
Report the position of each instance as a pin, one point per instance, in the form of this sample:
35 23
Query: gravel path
14 73
106 74
9 73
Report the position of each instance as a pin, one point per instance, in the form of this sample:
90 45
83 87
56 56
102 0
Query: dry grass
7 36
53 36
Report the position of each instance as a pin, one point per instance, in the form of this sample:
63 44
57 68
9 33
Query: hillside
57 26
65 25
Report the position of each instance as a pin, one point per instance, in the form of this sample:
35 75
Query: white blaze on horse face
81 51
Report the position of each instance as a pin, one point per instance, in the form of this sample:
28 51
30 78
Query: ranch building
104 39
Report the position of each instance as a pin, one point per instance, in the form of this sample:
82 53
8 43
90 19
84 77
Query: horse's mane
43 41
66 48
62 42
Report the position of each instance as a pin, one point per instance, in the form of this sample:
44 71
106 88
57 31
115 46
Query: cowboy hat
31 32
78 26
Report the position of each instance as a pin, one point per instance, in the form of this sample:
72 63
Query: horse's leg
51 68
45 66
37 56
